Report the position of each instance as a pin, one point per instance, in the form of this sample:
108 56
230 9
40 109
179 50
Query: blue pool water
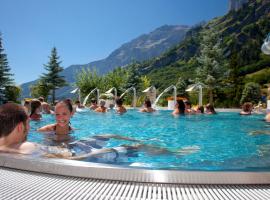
207 142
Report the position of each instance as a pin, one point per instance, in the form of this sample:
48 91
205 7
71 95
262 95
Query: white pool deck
25 177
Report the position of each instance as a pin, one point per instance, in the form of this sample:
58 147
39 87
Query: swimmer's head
35 106
63 113
11 116
66 104
119 102
102 102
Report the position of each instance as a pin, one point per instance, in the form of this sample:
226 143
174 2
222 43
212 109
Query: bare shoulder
175 112
143 110
47 128
27 147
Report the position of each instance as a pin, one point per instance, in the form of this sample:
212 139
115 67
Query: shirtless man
102 107
14 127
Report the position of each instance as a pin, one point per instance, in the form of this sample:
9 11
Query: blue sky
87 30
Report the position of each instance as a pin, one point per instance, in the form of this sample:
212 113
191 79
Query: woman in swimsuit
63 113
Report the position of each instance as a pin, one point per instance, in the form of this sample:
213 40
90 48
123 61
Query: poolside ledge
112 172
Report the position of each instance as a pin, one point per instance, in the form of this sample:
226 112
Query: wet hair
93 101
201 108
247 107
148 104
77 102
35 104
26 102
119 101
188 103
41 99
67 103
11 115
211 108
181 106
102 102
55 102
69 100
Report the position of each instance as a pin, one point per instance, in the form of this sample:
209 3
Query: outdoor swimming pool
219 142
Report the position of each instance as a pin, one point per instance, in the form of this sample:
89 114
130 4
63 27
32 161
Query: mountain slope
142 48
242 33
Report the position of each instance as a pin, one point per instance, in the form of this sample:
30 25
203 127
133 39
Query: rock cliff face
236 4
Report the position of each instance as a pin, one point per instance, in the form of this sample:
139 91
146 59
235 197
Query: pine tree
40 89
5 75
212 65
133 76
53 78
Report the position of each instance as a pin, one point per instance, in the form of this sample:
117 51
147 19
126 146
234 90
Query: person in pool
120 109
63 113
93 105
246 108
147 107
188 108
27 106
101 107
35 110
14 127
210 109
78 104
179 108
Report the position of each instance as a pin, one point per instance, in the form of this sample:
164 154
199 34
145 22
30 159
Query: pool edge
112 172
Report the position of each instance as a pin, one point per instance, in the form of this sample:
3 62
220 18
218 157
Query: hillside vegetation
241 34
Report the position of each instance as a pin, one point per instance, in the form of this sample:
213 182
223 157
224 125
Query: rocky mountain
142 48
235 5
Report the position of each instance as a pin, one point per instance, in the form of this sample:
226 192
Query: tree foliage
118 78
13 93
251 93
52 78
133 76
212 65
5 75
41 88
88 80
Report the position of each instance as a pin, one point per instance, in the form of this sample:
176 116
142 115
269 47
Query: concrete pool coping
117 173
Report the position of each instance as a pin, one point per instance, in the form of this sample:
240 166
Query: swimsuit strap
54 128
